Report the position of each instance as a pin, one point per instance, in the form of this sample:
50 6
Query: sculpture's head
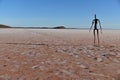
95 16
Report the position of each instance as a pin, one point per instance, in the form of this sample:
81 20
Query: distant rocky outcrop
4 26
59 27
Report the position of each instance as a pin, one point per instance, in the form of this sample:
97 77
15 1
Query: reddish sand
38 54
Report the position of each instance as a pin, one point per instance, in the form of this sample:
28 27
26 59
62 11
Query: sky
52 13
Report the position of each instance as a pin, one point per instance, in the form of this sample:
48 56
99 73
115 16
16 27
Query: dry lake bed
58 54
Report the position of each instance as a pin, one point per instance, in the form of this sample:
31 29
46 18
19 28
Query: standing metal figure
95 22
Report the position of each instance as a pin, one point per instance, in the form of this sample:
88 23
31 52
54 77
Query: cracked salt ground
76 51
64 56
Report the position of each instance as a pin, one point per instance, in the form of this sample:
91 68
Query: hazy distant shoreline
56 28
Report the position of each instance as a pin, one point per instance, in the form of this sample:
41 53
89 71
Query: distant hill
59 27
4 26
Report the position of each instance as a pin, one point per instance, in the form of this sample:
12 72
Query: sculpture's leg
98 35
94 36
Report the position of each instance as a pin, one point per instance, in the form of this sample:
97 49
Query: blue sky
50 13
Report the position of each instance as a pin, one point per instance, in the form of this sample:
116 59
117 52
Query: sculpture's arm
91 25
100 26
